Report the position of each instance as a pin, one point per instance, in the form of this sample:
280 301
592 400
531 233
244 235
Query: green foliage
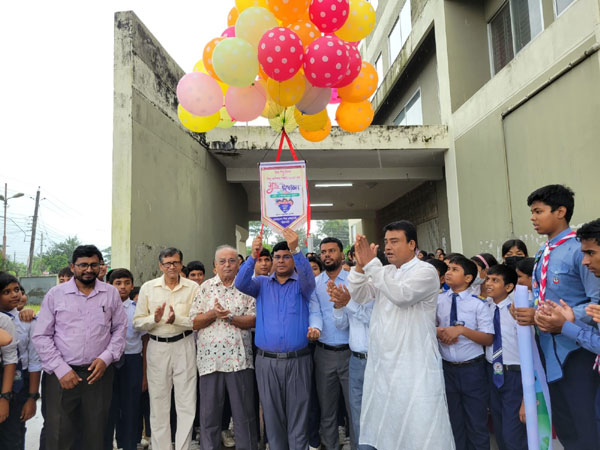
15 268
333 228
57 257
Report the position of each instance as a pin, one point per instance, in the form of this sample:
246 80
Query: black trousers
83 408
12 430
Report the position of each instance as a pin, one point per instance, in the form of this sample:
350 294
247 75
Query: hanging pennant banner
283 195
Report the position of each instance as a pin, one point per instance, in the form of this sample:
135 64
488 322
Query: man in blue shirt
283 363
559 274
332 354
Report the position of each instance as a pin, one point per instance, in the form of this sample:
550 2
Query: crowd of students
475 323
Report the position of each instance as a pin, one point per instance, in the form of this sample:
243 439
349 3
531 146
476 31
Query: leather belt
333 348
172 338
465 363
288 355
359 355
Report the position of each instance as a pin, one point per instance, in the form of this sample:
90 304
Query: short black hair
317 261
185 270
170 251
439 265
6 279
86 251
352 251
468 266
508 274
514 243
423 252
115 274
555 196
196 265
489 259
453 255
589 231
135 291
329 240
410 231
65 272
526 266
283 245
265 252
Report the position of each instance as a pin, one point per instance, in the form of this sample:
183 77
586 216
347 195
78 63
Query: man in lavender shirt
80 332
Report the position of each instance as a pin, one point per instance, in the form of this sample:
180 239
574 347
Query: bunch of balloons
284 60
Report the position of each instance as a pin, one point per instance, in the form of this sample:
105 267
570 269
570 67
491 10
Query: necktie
497 362
453 314
545 259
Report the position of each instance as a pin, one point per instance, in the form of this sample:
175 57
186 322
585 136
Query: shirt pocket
98 321
292 305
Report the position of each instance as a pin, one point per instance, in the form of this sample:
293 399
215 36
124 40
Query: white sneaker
144 442
227 439
314 448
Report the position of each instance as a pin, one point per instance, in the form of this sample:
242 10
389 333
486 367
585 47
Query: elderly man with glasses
163 310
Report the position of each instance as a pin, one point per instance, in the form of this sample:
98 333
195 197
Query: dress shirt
281 309
321 311
8 353
134 344
568 280
476 315
356 318
583 334
75 329
223 347
29 358
153 294
508 330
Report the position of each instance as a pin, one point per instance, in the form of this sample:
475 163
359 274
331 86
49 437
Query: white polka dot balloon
329 15
354 66
326 61
280 53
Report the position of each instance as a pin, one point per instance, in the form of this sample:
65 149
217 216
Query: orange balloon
232 17
289 10
306 31
317 136
362 87
354 117
207 57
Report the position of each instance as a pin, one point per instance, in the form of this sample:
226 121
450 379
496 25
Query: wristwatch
35 395
7 396
230 318
296 251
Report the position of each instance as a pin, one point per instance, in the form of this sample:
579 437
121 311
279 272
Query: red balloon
354 66
326 61
280 53
229 32
329 15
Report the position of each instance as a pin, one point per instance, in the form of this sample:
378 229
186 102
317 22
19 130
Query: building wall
167 189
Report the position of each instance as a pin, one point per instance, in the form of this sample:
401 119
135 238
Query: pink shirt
73 329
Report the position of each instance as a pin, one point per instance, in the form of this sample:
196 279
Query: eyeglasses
284 257
171 264
86 266
222 262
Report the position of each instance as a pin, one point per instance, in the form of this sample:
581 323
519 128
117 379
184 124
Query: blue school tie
453 314
497 362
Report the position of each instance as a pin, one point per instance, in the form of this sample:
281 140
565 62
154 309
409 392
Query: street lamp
5 198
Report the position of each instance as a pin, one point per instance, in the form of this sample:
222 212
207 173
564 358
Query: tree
254 230
15 268
58 256
107 255
333 228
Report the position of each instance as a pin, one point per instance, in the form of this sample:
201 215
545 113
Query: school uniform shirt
356 318
568 280
321 311
223 347
508 330
475 314
29 358
8 353
133 338
584 335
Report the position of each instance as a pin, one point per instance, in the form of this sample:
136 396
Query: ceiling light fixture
312 205
325 185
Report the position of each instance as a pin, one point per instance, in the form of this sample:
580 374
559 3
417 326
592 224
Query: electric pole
5 198
33 231
41 244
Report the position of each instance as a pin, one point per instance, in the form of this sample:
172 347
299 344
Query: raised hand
257 247
339 294
291 238
171 317
364 252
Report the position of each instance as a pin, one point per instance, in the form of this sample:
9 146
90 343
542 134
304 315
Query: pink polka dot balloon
354 66
329 15
229 32
280 53
326 61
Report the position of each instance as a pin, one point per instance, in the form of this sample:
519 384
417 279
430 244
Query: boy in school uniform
465 324
129 373
559 275
504 363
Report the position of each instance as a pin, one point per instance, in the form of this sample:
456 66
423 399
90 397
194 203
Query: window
512 28
379 69
412 113
561 5
400 32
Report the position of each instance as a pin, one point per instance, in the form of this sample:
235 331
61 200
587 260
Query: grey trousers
240 387
284 389
331 372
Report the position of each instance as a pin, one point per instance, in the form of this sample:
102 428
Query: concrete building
493 100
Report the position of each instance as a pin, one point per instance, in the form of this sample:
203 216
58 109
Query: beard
86 281
333 266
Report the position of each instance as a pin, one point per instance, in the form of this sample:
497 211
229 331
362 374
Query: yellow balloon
288 92
284 120
197 124
245 4
317 136
199 67
235 62
252 24
360 22
311 122
354 117
225 119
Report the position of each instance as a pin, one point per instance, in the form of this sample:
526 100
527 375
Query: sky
57 94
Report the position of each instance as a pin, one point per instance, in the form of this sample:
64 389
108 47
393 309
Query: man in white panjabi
404 400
